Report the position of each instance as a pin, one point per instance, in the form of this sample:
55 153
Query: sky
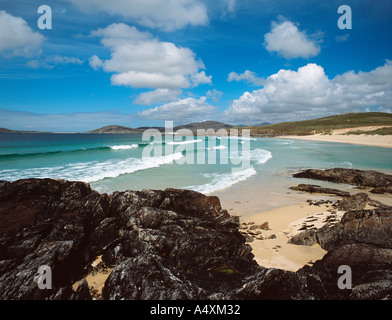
142 62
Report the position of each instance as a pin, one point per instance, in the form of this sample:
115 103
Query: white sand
284 223
368 140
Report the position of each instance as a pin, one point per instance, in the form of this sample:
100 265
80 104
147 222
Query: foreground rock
380 182
171 244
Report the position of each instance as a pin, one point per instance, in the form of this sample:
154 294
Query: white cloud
95 62
230 5
17 38
181 111
201 78
214 95
63 60
288 41
51 61
157 96
308 93
142 61
342 38
247 76
168 15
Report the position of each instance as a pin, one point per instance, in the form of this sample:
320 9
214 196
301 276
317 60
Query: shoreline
366 140
285 221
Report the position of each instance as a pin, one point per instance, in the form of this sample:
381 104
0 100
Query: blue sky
138 63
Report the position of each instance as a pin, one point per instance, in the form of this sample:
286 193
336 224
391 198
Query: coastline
367 140
286 220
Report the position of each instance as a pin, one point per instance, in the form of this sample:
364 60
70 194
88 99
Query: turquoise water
119 162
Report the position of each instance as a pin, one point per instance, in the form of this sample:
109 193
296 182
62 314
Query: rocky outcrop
362 241
360 178
169 244
312 188
354 202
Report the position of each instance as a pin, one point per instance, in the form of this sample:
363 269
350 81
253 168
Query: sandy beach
285 221
367 140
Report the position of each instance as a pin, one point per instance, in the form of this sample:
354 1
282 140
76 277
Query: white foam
124 147
348 164
220 147
238 138
223 181
184 142
261 156
93 170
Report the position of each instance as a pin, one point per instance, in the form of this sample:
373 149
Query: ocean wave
125 147
347 164
238 138
184 142
91 171
283 141
223 181
259 156
220 147
72 151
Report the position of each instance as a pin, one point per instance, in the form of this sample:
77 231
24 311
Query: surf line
205 142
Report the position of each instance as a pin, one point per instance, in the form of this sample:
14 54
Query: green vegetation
327 124
381 132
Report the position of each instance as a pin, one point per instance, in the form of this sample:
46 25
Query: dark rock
305 238
381 190
372 227
167 239
272 236
355 202
360 178
264 226
311 188
171 244
82 292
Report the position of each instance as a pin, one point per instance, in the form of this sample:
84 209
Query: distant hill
262 124
115 129
325 125
192 126
215 125
4 130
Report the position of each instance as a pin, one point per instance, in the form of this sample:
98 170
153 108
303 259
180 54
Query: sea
119 162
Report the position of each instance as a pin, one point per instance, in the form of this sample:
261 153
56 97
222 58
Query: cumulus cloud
142 61
95 62
288 41
181 111
168 15
248 76
157 96
308 93
17 38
